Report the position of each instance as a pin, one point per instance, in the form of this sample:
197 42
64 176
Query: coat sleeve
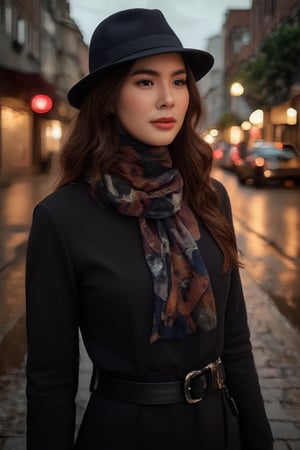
52 334
241 374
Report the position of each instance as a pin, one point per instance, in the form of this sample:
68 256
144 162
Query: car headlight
259 161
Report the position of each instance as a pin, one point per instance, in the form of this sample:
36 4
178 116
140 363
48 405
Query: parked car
269 161
226 155
219 151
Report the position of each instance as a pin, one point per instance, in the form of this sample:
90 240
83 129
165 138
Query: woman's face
153 99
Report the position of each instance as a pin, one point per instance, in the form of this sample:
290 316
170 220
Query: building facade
266 17
211 87
241 39
230 48
41 53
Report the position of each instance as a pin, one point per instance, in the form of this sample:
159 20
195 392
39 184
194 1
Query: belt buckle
217 371
187 389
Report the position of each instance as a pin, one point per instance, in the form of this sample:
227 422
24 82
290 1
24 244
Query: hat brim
199 61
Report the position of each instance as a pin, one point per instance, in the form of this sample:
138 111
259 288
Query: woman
136 248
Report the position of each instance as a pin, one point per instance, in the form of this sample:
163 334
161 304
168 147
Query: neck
153 160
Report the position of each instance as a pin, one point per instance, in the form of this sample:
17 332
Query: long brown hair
93 142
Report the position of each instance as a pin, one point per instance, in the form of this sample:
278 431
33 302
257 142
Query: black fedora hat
132 34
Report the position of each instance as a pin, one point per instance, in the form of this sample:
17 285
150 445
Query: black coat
86 268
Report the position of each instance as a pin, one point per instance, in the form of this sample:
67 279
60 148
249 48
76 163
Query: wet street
16 203
267 223
267 226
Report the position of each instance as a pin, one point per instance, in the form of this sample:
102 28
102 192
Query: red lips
164 120
164 123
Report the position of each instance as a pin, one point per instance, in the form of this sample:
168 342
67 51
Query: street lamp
236 89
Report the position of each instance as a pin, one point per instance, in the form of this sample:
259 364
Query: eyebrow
155 73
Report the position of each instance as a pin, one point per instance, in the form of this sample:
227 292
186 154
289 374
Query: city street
60 58
267 223
267 227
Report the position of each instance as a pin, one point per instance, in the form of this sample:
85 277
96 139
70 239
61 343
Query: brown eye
181 82
145 83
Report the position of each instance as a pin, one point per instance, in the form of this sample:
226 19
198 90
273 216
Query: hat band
143 44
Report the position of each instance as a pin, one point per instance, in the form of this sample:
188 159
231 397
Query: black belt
192 389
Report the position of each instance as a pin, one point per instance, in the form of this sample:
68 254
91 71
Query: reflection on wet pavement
13 347
272 213
12 295
267 224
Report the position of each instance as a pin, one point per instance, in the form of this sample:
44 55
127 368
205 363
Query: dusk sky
194 21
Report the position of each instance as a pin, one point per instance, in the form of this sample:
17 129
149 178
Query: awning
24 84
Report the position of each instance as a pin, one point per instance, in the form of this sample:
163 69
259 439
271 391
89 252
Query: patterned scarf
143 183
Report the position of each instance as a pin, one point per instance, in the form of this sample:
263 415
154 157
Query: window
21 31
8 17
238 38
36 44
269 8
245 37
2 13
273 7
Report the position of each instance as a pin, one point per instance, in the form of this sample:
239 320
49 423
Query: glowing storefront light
209 138
291 116
214 132
53 134
15 139
236 135
257 117
246 125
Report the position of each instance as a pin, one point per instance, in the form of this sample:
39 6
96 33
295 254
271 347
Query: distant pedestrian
136 248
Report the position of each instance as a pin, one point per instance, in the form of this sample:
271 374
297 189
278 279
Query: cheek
186 102
128 111
183 106
129 105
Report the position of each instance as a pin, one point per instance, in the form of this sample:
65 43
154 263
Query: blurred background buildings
42 54
253 90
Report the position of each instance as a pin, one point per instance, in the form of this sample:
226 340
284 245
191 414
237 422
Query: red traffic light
41 103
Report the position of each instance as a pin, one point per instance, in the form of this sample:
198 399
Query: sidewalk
276 344
16 204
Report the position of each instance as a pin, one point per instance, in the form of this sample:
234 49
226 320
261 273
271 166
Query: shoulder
71 203
223 198
68 193
219 187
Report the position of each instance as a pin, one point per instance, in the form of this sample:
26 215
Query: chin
154 138
158 142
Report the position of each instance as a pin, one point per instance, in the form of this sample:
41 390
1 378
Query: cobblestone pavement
276 347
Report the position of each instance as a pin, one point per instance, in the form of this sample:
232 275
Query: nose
165 97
